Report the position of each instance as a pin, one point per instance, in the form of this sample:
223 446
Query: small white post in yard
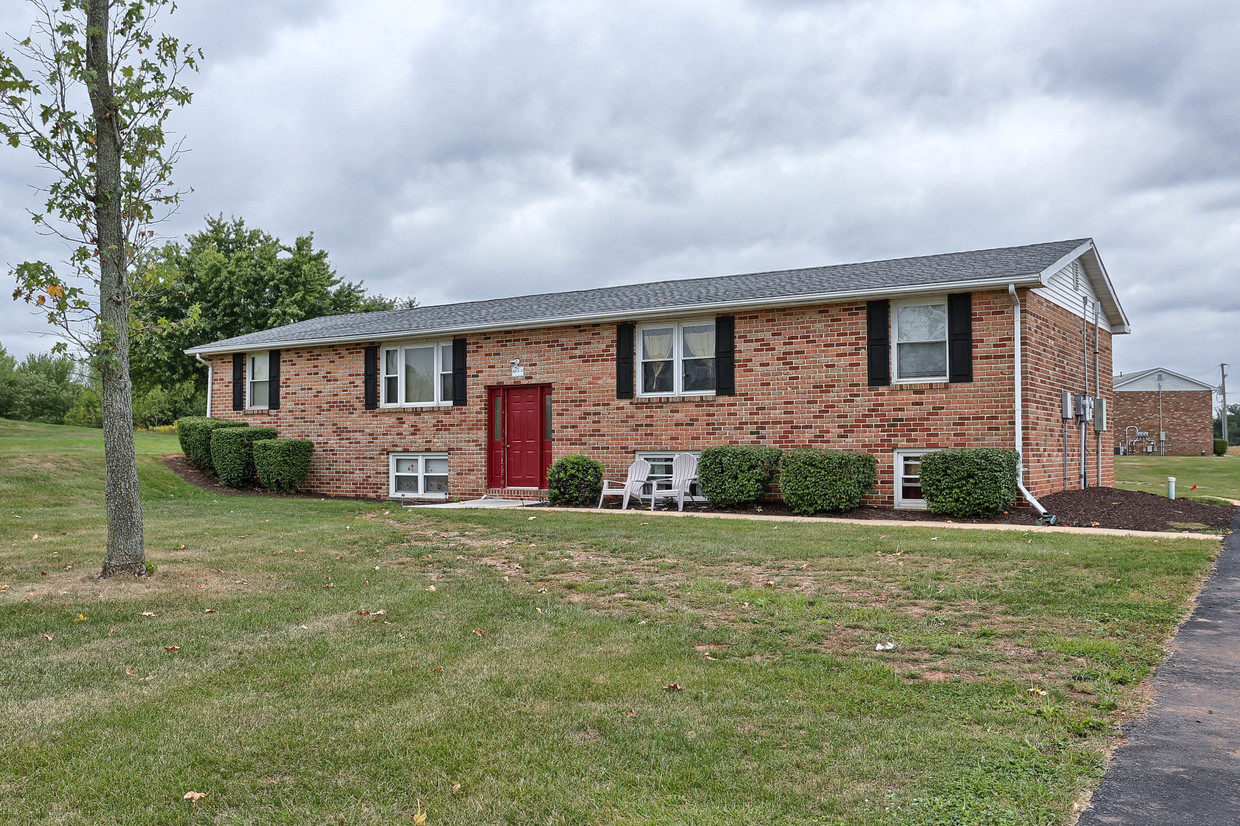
1170 487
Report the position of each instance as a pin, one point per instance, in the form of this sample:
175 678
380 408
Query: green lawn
327 662
1216 477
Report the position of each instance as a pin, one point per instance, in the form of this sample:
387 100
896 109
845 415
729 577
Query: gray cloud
461 151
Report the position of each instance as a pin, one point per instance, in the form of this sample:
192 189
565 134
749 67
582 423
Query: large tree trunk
126 553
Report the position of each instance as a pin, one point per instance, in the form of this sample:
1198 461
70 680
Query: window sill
413 408
419 497
921 384
672 399
256 411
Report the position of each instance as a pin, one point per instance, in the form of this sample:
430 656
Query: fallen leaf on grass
456 787
330 585
131 671
148 613
672 687
47 637
363 612
631 713
299 550
173 648
209 611
80 618
419 818
36 536
195 796
430 587
437 669
478 632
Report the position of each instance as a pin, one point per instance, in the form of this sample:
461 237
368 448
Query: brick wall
1054 361
800 381
1187 417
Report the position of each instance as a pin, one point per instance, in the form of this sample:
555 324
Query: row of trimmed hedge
957 482
238 454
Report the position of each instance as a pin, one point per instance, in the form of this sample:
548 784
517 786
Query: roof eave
1026 280
1099 278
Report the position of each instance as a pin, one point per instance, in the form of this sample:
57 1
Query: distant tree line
225 281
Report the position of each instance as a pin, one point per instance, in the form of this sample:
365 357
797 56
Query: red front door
519 443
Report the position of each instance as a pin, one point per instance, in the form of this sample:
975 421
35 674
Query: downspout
1020 410
210 376
1098 391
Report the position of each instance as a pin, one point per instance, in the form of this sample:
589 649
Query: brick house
1175 411
895 358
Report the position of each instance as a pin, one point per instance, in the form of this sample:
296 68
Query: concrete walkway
1180 763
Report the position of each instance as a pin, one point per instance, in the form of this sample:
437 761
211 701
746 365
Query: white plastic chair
684 471
639 472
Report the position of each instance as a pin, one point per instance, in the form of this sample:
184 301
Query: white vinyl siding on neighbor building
418 475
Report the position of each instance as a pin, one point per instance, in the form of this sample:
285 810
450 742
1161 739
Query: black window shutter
273 379
238 381
624 361
878 342
458 372
725 355
370 375
960 337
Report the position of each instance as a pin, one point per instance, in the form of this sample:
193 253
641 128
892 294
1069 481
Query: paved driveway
1180 763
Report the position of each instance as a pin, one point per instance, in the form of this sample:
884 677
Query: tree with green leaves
89 91
229 280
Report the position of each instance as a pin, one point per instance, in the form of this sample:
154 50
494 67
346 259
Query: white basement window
417 374
418 475
257 374
661 472
921 341
676 358
908 478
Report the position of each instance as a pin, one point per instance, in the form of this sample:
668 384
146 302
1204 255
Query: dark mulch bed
1089 508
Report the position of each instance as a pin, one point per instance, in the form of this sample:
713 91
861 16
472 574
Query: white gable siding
1068 287
1149 382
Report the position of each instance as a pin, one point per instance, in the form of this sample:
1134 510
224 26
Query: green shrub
232 453
282 464
1220 447
87 411
194 434
736 476
969 482
575 482
813 480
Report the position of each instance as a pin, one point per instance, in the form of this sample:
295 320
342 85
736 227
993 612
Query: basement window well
908 478
418 475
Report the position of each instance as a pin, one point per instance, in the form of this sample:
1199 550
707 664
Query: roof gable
1147 380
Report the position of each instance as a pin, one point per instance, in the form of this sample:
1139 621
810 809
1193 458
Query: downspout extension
1044 517
210 371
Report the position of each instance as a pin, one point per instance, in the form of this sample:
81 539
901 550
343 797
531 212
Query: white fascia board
1027 280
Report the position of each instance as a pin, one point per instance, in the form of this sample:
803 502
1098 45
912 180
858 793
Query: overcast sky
455 151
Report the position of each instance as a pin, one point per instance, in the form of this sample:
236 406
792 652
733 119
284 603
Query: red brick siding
800 381
1054 362
1187 417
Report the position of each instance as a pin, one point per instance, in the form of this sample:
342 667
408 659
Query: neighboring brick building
1177 409
893 357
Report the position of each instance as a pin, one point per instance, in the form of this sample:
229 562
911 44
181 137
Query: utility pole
1223 389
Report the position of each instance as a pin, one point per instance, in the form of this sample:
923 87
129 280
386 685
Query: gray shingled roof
980 267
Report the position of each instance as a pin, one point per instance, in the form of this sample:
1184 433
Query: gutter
210 377
1020 414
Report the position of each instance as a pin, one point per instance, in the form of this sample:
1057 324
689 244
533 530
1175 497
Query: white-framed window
676 358
919 332
257 372
908 477
416 374
418 475
660 477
